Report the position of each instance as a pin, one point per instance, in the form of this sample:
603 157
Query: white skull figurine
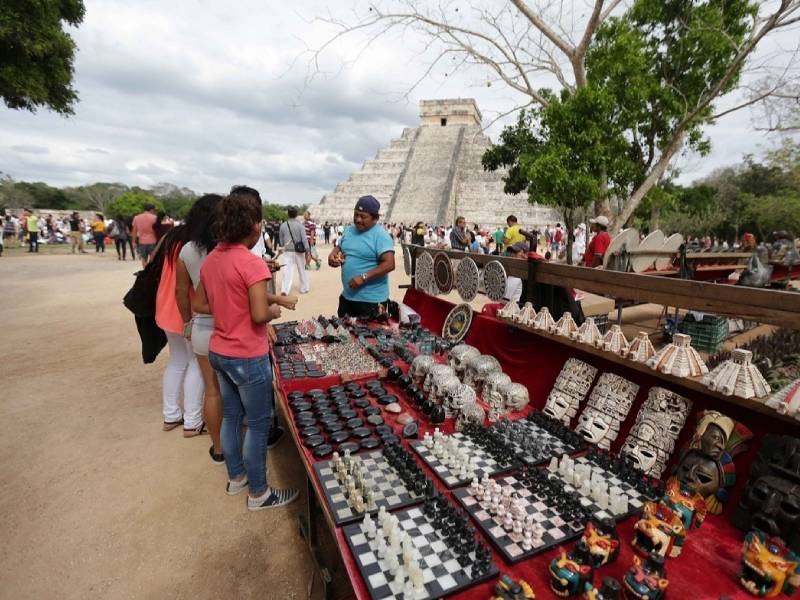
460 397
443 387
478 368
492 384
515 396
434 373
470 414
459 355
419 367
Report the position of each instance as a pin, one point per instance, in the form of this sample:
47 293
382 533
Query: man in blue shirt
366 255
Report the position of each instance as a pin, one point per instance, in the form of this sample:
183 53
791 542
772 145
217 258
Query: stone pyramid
432 173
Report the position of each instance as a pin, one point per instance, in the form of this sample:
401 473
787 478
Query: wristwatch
364 277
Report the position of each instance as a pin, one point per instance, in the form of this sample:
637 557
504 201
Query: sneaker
272 499
275 435
234 487
217 459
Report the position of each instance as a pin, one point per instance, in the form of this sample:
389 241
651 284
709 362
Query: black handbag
298 246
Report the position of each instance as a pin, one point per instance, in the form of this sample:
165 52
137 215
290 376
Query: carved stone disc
467 278
407 260
424 276
443 273
457 323
494 280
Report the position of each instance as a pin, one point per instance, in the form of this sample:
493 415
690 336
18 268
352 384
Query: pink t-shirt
226 275
143 223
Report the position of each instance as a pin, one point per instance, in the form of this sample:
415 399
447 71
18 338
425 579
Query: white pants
294 259
182 372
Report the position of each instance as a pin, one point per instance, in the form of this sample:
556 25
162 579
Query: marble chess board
483 463
442 573
532 444
388 488
555 529
635 499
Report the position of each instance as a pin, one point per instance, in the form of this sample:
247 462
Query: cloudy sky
207 94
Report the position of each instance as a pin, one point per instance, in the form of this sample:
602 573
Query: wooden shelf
693 383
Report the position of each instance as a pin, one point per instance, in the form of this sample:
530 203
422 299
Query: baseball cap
520 247
601 220
368 204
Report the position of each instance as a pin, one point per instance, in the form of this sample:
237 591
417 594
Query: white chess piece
586 487
553 466
538 532
382 547
508 521
527 541
408 589
400 577
369 527
392 564
427 440
417 577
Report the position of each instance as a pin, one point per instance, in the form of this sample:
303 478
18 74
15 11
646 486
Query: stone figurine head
436 373
478 368
768 566
459 355
707 463
419 367
770 501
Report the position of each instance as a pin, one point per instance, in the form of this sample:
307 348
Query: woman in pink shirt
234 290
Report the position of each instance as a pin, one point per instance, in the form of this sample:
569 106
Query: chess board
443 574
389 489
636 499
485 464
532 444
556 529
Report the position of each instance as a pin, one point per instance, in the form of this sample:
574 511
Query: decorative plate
443 273
457 323
494 280
407 260
424 276
467 278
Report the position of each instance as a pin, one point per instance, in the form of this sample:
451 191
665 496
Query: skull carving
470 414
462 396
459 355
493 382
515 396
443 387
419 367
652 437
435 373
478 368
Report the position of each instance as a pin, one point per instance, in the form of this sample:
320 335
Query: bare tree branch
558 41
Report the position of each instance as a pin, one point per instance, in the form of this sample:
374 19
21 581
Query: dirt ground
97 501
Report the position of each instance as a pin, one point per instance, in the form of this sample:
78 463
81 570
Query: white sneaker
272 498
234 487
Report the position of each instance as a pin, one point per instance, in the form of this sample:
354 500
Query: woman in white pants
292 235
182 370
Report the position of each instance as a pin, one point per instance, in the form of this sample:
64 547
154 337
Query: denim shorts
145 250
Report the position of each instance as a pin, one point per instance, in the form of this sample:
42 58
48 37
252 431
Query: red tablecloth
708 566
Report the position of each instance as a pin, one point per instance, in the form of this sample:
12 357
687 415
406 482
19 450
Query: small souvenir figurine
610 589
526 315
660 531
569 573
646 579
738 376
786 401
685 500
600 541
641 348
614 341
768 566
679 358
566 325
544 320
508 589
588 333
707 463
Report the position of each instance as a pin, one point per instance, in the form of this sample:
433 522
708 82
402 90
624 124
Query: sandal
170 425
199 430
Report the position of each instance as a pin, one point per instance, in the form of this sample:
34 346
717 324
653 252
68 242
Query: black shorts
354 308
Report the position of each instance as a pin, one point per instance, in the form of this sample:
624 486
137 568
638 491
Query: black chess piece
437 414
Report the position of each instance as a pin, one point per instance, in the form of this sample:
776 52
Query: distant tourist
458 235
142 233
326 232
366 257
599 243
76 232
311 236
418 234
119 232
32 229
513 233
293 240
99 233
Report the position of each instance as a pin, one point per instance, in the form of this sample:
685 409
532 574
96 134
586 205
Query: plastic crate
602 323
707 334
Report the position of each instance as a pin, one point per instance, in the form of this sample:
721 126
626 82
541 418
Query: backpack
559 235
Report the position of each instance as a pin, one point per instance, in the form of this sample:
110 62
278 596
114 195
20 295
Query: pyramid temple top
451 111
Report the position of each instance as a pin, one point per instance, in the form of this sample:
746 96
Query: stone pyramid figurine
544 320
786 401
738 376
588 333
641 348
679 358
526 315
509 311
614 341
566 325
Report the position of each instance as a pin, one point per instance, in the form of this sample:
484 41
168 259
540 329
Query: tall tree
655 42
37 54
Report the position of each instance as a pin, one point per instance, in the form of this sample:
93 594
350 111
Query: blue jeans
246 388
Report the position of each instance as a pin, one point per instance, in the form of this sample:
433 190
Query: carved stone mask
596 428
643 456
700 472
713 441
560 406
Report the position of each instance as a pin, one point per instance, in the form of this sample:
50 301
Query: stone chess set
422 552
538 437
526 513
342 419
460 457
608 485
361 484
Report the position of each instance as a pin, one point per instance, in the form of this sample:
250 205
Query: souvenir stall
526 454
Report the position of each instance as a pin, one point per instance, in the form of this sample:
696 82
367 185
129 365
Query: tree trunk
655 217
569 222
602 206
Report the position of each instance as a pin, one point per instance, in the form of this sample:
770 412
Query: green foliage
41 195
36 54
97 196
772 213
274 212
132 203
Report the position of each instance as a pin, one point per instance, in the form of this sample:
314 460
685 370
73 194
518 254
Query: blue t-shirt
362 253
